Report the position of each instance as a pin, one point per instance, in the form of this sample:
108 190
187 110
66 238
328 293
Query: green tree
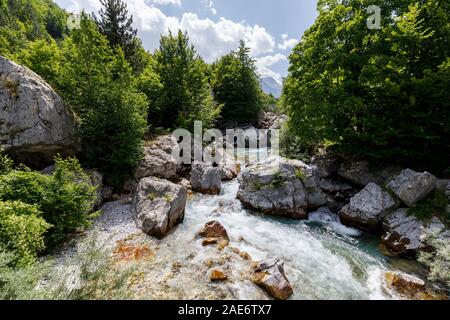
185 94
43 57
375 94
117 25
235 83
98 84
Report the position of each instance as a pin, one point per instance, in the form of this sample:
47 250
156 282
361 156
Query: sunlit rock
158 206
411 186
281 187
269 275
368 208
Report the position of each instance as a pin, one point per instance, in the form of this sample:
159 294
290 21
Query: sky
271 28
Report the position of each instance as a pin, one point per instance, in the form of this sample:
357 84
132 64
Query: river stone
405 284
281 187
367 209
405 233
158 160
269 275
205 178
158 206
229 169
35 124
218 274
214 229
411 186
361 173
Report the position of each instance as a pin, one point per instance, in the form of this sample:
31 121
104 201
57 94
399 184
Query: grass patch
433 205
277 181
300 174
257 186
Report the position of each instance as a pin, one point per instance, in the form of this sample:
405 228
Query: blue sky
270 27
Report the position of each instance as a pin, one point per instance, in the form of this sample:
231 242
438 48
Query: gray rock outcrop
368 208
281 187
35 124
411 186
405 233
205 178
158 206
158 160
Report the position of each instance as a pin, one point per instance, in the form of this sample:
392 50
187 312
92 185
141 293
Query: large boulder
269 275
158 160
406 234
205 178
158 206
35 124
368 208
228 168
361 173
281 187
411 186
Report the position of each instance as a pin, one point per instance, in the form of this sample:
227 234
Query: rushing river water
323 258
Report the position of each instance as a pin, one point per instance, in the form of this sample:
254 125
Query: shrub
65 198
22 231
433 205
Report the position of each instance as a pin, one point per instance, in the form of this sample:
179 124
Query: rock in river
368 208
158 206
405 233
205 178
411 186
281 187
158 160
269 275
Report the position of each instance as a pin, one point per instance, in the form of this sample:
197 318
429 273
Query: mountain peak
271 86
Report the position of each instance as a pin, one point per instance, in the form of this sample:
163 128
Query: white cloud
165 2
287 43
263 64
212 39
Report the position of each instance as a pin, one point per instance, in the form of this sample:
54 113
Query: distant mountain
271 86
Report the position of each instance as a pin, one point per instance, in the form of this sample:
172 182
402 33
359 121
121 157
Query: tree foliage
28 20
116 24
236 85
64 200
376 94
97 82
185 94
